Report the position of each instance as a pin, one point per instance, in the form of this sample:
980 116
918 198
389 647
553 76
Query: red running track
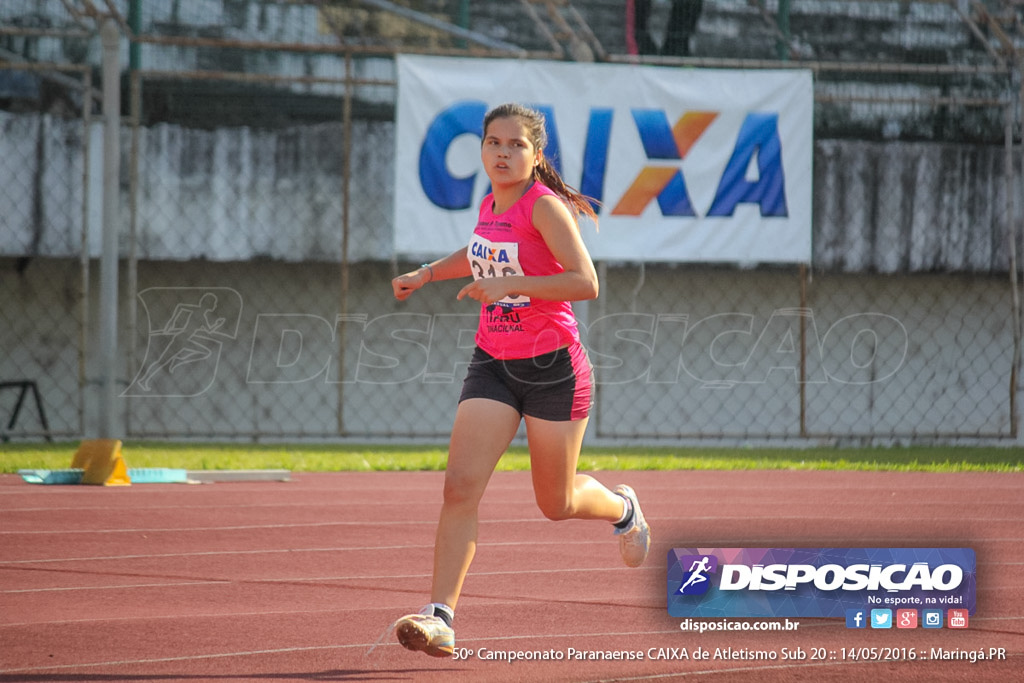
296 581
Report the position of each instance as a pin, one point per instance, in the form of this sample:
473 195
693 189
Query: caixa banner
817 582
682 165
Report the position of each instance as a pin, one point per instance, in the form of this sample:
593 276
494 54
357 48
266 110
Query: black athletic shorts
555 386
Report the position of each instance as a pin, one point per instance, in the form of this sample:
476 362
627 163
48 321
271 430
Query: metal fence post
110 37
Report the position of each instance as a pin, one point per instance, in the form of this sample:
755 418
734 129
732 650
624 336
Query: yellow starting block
101 463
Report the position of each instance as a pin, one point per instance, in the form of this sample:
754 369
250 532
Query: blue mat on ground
138 475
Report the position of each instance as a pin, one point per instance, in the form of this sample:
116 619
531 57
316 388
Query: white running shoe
634 540
424 632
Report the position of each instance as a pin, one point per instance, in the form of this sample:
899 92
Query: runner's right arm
454 265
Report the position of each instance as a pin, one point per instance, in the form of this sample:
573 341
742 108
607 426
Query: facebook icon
856 618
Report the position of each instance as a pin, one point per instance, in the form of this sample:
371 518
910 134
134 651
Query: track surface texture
297 581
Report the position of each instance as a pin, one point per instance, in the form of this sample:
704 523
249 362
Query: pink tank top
508 244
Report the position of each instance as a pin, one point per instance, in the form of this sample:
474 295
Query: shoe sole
412 637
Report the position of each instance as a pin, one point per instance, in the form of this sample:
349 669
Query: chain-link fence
45 276
257 184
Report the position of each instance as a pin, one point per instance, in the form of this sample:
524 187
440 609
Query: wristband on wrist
429 270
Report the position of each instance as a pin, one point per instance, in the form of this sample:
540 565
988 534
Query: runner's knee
556 508
462 491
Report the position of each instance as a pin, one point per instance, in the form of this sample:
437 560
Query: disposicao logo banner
683 164
817 582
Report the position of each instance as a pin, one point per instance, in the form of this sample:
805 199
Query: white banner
686 164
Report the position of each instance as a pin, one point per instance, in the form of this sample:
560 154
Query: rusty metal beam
433 22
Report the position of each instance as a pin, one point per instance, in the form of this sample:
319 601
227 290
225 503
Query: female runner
528 261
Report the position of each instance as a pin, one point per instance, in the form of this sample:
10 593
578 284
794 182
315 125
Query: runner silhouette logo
696 579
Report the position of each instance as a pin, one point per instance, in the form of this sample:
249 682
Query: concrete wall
909 302
681 353
232 194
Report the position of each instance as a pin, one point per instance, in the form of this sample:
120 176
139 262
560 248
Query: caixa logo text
756 145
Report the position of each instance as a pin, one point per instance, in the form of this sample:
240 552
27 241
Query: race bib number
496 259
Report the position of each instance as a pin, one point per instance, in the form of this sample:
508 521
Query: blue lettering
660 142
656 134
552 150
488 253
674 200
595 156
758 139
438 184
759 136
465 118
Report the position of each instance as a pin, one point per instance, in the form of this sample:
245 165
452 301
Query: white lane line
369 577
367 646
748 669
311 579
271 551
430 497
433 522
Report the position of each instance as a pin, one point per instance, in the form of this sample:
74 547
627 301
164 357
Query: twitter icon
881 618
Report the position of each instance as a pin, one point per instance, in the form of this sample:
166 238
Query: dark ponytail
577 201
544 172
